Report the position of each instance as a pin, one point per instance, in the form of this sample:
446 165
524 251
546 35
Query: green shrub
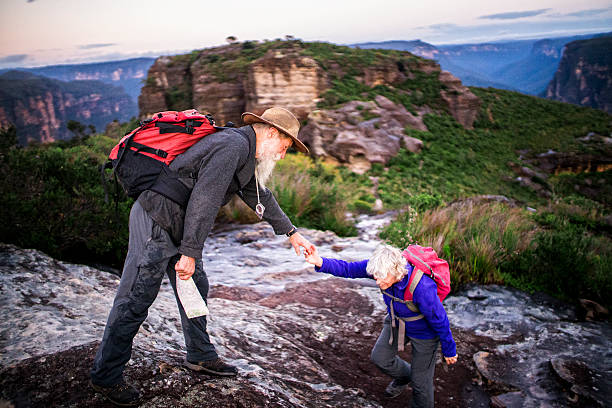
423 201
565 260
476 239
312 194
493 243
54 201
362 206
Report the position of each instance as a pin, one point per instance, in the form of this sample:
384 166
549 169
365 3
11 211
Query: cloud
443 26
12 59
514 14
30 1
91 46
587 13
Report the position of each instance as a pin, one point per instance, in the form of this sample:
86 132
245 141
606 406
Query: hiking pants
420 373
151 254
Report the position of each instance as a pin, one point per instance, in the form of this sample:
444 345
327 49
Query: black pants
151 254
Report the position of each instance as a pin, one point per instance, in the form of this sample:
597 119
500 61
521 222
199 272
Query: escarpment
584 76
355 104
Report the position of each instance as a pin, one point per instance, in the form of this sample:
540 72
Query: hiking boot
122 394
395 388
214 367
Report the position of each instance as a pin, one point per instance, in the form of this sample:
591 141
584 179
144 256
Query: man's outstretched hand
185 267
297 241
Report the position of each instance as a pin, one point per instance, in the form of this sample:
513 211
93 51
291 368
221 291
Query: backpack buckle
189 126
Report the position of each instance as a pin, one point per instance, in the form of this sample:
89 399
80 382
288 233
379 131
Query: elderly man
167 238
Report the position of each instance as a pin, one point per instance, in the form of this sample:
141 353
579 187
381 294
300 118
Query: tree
8 137
77 128
231 39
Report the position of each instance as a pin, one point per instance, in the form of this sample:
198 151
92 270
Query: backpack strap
415 281
401 334
189 128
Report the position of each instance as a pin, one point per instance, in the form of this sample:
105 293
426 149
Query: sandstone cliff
308 78
228 81
40 107
584 76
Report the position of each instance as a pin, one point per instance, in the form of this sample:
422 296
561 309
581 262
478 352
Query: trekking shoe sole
199 368
100 390
392 396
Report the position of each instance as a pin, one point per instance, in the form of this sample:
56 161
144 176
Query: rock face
584 76
361 133
282 78
40 108
461 102
596 157
534 333
298 338
168 80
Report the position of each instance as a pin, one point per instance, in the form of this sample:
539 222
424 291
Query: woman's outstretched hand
312 257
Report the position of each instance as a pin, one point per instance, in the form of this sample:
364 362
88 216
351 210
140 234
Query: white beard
263 169
266 162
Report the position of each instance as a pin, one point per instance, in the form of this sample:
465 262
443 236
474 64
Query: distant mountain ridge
526 66
40 107
128 74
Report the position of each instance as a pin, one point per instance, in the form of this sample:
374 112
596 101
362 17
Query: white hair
258 127
387 260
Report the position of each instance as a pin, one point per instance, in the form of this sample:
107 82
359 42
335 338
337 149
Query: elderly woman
392 274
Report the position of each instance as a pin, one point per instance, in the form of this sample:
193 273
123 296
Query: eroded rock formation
225 82
360 133
461 102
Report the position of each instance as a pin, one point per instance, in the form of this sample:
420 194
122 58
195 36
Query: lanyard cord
259 208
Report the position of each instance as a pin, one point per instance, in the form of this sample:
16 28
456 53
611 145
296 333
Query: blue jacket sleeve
344 269
426 299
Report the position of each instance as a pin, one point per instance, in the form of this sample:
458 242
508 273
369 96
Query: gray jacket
225 165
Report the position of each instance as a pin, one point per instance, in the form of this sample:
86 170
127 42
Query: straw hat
281 119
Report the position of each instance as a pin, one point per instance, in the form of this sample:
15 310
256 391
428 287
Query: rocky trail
298 338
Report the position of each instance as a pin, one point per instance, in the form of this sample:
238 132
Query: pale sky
43 32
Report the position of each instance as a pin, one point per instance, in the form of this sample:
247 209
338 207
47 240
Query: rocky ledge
298 338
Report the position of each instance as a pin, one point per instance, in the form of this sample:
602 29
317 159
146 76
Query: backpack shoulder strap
418 274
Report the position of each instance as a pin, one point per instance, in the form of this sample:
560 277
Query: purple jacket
435 324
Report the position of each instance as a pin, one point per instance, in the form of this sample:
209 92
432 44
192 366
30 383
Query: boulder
593 310
412 144
589 384
358 133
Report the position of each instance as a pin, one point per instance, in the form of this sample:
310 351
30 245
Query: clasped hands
185 267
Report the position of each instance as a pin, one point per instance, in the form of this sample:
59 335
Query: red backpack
425 262
141 158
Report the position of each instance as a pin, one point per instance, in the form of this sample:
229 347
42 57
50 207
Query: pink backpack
426 260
